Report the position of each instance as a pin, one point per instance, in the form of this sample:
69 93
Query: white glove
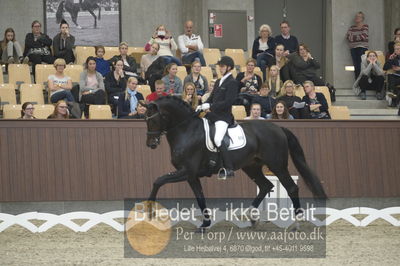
205 106
198 108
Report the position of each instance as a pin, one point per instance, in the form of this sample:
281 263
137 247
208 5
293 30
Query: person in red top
159 92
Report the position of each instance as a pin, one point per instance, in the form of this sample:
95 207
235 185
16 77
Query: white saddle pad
236 134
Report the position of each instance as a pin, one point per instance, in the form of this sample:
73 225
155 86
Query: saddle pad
236 135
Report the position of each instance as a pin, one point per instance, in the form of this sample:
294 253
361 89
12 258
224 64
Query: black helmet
227 61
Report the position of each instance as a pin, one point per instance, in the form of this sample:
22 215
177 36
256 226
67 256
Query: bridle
157 133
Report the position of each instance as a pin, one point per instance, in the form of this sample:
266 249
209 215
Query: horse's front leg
195 184
172 177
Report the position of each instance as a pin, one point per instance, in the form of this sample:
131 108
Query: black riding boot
227 170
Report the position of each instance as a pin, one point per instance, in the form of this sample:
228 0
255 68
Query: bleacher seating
239 112
339 112
7 94
325 91
211 55
12 111
19 73
32 93
42 111
100 112
43 71
137 53
144 90
181 73
110 52
237 55
74 72
207 72
1 76
82 53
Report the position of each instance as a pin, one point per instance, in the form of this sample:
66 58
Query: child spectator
102 65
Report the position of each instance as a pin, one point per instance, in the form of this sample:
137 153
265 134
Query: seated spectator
263 48
91 86
159 91
59 84
249 82
393 68
304 67
64 43
130 66
280 112
167 43
316 102
129 99
198 79
191 46
115 83
149 58
140 111
37 46
297 108
189 95
173 84
60 111
27 111
286 39
266 102
392 43
255 112
371 76
281 61
102 65
11 49
274 81
204 98
358 37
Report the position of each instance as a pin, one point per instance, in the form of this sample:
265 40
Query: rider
219 110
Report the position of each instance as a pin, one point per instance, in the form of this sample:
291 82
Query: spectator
60 111
297 108
286 39
140 111
128 100
115 83
357 37
37 46
281 61
159 91
167 43
371 76
249 81
64 43
198 79
280 112
391 43
266 102
304 67
91 86
102 65
191 46
11 49
255 112
149 58
189 95
263 47
59 84
27 111
316 102
204 98
393 68
274 81
130 66
173 84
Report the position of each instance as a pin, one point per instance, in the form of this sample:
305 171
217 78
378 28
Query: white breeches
220 130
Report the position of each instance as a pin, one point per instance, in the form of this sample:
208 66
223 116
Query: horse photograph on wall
91 22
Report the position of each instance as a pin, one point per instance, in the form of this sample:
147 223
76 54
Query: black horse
190 156
74 8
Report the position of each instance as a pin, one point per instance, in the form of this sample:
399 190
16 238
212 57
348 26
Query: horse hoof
79 27
254 223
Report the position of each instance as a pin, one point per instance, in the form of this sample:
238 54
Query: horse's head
155 125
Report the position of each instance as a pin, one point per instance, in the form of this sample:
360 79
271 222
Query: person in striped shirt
357 37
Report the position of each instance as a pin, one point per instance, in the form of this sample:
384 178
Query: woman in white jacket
371 77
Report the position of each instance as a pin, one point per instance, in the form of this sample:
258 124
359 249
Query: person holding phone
64 43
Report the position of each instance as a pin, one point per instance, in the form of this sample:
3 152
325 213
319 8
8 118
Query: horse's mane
176 101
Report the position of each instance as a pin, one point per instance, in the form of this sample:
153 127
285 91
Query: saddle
234 138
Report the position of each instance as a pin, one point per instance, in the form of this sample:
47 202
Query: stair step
356 103
350 92
374 112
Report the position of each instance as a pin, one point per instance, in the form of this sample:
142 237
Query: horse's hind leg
290 186
255 173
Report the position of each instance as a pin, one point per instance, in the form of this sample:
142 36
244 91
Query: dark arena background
69 188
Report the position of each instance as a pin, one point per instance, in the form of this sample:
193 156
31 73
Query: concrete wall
342 14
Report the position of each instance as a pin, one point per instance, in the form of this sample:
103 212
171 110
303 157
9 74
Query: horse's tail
299 160
60 11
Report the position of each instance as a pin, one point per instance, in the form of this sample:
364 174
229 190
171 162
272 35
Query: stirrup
223 173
